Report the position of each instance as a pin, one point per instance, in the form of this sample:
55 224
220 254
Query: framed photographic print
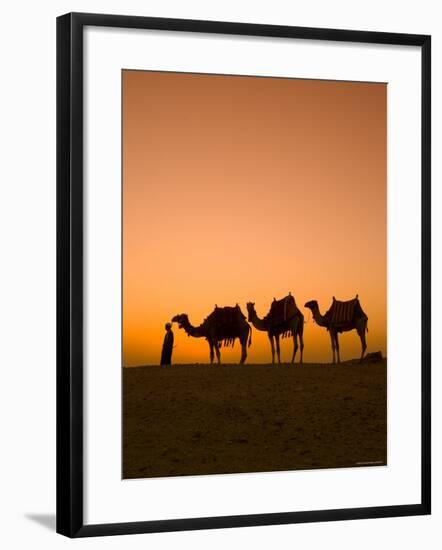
243 274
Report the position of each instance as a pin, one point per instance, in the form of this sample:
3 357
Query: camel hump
227 323
225 315
341 313
282 310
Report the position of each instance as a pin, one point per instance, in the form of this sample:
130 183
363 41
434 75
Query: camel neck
318 317
258 323
196 332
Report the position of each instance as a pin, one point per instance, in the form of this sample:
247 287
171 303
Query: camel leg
337 346
211 352
218 355
243 350
301 345
272 345
278 351
361 333
243 354
332 338
295 346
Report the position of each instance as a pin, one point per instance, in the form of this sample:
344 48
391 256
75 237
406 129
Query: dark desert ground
202 419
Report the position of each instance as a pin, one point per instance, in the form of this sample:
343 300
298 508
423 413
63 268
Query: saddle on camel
341 314
227 321
282 311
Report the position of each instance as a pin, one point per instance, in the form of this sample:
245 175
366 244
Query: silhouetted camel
284 318
223 325
341 317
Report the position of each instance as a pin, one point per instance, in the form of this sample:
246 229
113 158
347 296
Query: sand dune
202 419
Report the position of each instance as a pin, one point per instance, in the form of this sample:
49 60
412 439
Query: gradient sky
240 189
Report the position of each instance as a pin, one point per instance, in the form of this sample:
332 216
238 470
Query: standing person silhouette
166 352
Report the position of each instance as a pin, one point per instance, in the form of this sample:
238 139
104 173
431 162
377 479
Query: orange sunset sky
240 189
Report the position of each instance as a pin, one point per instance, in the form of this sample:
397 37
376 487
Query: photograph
221 262
254 274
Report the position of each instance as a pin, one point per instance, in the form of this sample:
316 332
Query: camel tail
366 327
250 336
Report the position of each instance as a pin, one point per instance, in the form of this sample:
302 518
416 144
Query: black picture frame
70 273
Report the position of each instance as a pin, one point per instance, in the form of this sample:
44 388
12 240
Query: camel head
251 310
312 304
181 319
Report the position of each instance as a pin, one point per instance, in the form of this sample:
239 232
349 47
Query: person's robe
166 352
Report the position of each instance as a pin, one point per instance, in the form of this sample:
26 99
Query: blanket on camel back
282 311
227 321
342 313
